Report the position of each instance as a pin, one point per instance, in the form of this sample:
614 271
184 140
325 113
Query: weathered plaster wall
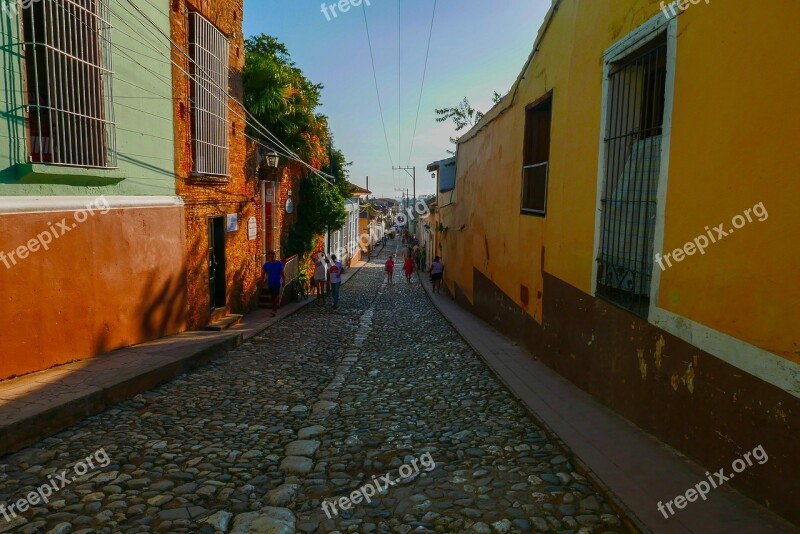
114 280
725 377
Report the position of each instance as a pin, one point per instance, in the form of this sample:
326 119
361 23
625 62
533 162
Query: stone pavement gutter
41 404
625 513
632 468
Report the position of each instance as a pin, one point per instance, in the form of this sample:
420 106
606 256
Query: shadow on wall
242 268
244 287
197 292
160 311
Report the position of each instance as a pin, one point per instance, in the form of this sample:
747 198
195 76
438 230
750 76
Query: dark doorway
216 261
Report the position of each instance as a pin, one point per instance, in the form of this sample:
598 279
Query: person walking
408 267
320 278
418 257
336 279
437 271
274 280
327 274
390 271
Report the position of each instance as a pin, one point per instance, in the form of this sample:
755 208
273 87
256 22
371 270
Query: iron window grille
69 105
636 95
536 156
209 52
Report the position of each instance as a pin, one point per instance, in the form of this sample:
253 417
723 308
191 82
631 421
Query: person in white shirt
320 278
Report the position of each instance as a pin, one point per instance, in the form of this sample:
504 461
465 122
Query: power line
255 124
377 90
422 87
399 84
168 81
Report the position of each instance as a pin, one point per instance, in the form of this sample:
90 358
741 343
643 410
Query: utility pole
369 230
414 179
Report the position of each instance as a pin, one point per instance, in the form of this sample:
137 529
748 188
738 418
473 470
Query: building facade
221 193
649 253
92 240
427 234
344 241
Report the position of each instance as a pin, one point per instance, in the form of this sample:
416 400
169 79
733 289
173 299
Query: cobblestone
311 409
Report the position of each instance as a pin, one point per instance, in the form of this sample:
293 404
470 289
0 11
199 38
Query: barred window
209 52
70 113
635 99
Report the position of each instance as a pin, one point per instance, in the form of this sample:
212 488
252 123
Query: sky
477 47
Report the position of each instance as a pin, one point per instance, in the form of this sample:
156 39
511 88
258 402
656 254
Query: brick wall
217 197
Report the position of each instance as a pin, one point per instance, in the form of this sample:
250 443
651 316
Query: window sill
531 213
209 179
41 173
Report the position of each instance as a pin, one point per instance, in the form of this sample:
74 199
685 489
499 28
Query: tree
338 168
279 95
463 115
321 208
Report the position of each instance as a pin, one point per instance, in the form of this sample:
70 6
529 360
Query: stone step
225 323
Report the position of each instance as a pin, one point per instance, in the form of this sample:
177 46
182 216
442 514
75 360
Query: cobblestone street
312 409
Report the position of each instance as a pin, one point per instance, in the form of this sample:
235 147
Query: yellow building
627 212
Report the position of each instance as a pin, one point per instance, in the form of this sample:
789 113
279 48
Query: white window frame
209 50
70 120
637 39
749 358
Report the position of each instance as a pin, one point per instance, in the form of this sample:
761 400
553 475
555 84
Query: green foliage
338 168
463 115
321 208
279 95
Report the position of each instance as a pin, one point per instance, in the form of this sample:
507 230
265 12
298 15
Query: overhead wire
399 84
377 89
254 123
422 87
167 82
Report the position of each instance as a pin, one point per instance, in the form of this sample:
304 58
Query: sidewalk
41 404
633 466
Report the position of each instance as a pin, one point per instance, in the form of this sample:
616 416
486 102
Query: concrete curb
23 432
627 515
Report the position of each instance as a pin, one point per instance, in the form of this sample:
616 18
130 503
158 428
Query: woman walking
408 267
437 271
390 271
320 278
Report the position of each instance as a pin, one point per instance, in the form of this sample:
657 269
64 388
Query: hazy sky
478 46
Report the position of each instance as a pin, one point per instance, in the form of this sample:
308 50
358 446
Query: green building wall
142 87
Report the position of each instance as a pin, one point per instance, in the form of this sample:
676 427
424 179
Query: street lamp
267 167
271 159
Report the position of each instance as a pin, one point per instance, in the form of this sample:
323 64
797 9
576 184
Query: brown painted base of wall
693 401
114 280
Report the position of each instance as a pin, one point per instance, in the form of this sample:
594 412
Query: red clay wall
115 280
